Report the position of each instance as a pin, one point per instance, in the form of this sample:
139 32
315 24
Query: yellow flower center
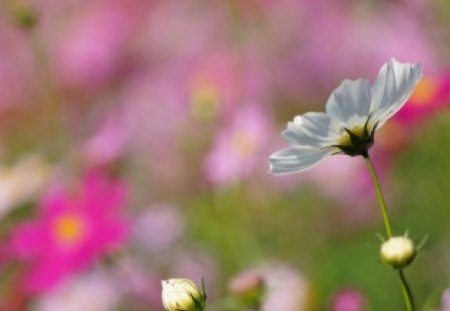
346 140
69 229
243 143
425 91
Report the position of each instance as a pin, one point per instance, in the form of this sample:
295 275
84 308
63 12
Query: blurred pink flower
70 231
329 176
285 288
158 228
180 31
154 112
94 291
239 147
446 300
92 45
348 300
214 85
108 144
432 93
361 40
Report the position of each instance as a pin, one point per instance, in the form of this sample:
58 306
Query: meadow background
134 145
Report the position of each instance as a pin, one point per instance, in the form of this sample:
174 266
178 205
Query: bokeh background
134 144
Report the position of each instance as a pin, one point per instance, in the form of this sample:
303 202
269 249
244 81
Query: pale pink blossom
238 147
94 291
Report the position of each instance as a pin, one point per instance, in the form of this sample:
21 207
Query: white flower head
398 251
354 111
182 295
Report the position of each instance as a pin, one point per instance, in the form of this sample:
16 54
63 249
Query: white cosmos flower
354 111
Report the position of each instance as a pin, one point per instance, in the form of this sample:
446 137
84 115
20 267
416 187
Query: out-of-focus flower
95 291
285 288
108 143
158 228
354 111
22 181
182 294
398 251
446 300
238 146
153 112
363 37
190 31
214 86
70 231
249 288
431 94
90 49
348 300
328 177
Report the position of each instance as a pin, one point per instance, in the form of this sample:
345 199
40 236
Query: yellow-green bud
398 251
182 295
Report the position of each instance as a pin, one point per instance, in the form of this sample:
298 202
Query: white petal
350 102
293 160
313 129
394 85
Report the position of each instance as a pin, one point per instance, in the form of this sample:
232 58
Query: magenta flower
431 94
348 300
70 231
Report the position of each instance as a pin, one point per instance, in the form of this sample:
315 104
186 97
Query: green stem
406 290
380 197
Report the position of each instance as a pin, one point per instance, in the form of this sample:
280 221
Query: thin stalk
380 197
406 290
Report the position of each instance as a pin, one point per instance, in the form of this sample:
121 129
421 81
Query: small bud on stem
398 251
182 295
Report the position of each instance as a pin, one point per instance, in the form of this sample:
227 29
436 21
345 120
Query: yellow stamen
69 229
346 140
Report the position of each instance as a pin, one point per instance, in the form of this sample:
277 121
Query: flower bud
182 295
398 251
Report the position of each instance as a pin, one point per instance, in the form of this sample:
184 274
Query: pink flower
158 228
70 231
108 144
92 43
286 288
362 42
446 300
238 147
214 85
348 300
94 291
431 94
